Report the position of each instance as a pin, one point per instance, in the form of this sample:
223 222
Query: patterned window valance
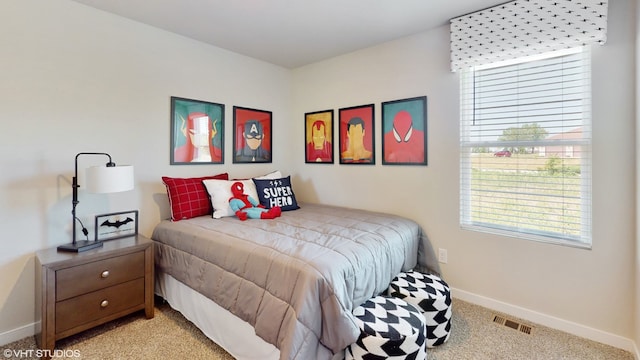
525 27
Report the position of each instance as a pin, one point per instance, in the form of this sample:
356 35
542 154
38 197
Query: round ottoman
390 328
432 296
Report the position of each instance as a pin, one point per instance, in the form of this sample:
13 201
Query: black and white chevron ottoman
390 328
432 296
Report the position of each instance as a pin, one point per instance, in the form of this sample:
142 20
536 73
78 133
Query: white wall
637 174
574 289
77 79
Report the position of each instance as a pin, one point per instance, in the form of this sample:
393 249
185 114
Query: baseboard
548 321
17 334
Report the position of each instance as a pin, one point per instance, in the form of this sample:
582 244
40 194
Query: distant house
569 150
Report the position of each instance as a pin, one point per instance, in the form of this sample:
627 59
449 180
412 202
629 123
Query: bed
284 288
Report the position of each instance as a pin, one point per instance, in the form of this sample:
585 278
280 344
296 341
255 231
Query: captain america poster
251 135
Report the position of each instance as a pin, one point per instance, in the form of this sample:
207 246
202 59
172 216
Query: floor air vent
501 320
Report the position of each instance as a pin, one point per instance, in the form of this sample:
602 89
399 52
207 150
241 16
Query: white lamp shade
104 179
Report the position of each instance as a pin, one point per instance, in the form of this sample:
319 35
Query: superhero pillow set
263 197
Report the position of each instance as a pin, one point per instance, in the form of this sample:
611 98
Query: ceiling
292 33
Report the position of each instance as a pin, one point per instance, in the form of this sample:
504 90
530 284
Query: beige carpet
170 336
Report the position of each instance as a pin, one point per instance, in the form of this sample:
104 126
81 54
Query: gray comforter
297 278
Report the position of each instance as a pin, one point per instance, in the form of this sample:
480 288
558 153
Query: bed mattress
297 278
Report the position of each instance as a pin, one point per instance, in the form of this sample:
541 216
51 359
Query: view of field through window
526 148
526 191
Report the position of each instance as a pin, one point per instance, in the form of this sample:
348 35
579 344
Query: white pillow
220 192
272 175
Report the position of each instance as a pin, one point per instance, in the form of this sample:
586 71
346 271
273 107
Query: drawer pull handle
104 303
104 274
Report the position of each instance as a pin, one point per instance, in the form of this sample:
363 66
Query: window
525 145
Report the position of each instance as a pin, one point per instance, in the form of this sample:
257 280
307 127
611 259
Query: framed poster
357 132
197 132
116 225
251 135
404 129
318 137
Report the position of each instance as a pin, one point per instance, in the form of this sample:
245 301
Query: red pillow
188 197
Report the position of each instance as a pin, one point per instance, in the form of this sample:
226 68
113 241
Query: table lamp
100 179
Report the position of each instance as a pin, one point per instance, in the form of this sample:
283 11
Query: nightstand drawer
99 304
97 275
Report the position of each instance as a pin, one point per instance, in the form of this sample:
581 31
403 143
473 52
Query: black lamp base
79 246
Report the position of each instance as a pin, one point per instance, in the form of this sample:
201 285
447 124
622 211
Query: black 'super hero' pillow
276 192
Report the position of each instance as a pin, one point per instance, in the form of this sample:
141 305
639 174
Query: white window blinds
526 148
525 27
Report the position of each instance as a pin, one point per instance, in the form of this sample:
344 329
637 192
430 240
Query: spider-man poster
404 131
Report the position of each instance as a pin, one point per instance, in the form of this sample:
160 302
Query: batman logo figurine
117 223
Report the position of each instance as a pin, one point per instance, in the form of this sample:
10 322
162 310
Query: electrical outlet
442 255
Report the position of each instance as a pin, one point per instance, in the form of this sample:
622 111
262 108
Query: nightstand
77 291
